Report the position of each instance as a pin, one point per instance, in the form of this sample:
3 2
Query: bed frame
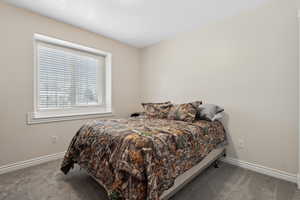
189 175
192 173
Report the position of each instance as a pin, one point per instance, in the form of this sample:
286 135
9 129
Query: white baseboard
251 166
298 181
263 170
28 163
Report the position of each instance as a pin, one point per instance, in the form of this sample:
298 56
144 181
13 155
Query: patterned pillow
157 110
183 112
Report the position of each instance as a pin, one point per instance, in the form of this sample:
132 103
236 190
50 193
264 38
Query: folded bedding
140 158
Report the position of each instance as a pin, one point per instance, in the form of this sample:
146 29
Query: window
70 80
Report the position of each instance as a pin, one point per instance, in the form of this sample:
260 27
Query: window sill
37 118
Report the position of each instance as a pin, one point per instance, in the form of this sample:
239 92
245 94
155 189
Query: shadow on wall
225 121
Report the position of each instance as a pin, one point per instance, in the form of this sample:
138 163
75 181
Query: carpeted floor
46 182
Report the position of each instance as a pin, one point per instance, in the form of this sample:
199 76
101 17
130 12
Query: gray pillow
209 112
218 116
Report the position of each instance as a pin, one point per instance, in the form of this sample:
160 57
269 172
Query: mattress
140 158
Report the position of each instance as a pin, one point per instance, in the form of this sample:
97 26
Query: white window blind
68 79
71 81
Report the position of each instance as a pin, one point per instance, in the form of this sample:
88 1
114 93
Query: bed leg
216 165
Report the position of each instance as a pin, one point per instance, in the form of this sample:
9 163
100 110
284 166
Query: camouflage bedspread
139 158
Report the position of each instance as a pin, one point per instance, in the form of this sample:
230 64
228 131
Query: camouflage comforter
139 158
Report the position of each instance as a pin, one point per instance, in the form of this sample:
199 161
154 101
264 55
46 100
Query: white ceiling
138 22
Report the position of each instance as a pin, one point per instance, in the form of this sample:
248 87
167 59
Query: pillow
183 112
209 112
196 104
218 116
157 110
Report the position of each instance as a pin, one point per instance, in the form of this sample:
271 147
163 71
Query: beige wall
248 65
19 141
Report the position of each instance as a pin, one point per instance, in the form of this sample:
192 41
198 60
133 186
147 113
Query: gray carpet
46 182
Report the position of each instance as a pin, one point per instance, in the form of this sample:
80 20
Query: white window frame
80 112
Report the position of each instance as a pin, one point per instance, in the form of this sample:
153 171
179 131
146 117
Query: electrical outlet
54 139
241 143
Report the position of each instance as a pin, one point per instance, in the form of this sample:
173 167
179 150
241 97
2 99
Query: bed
143 158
